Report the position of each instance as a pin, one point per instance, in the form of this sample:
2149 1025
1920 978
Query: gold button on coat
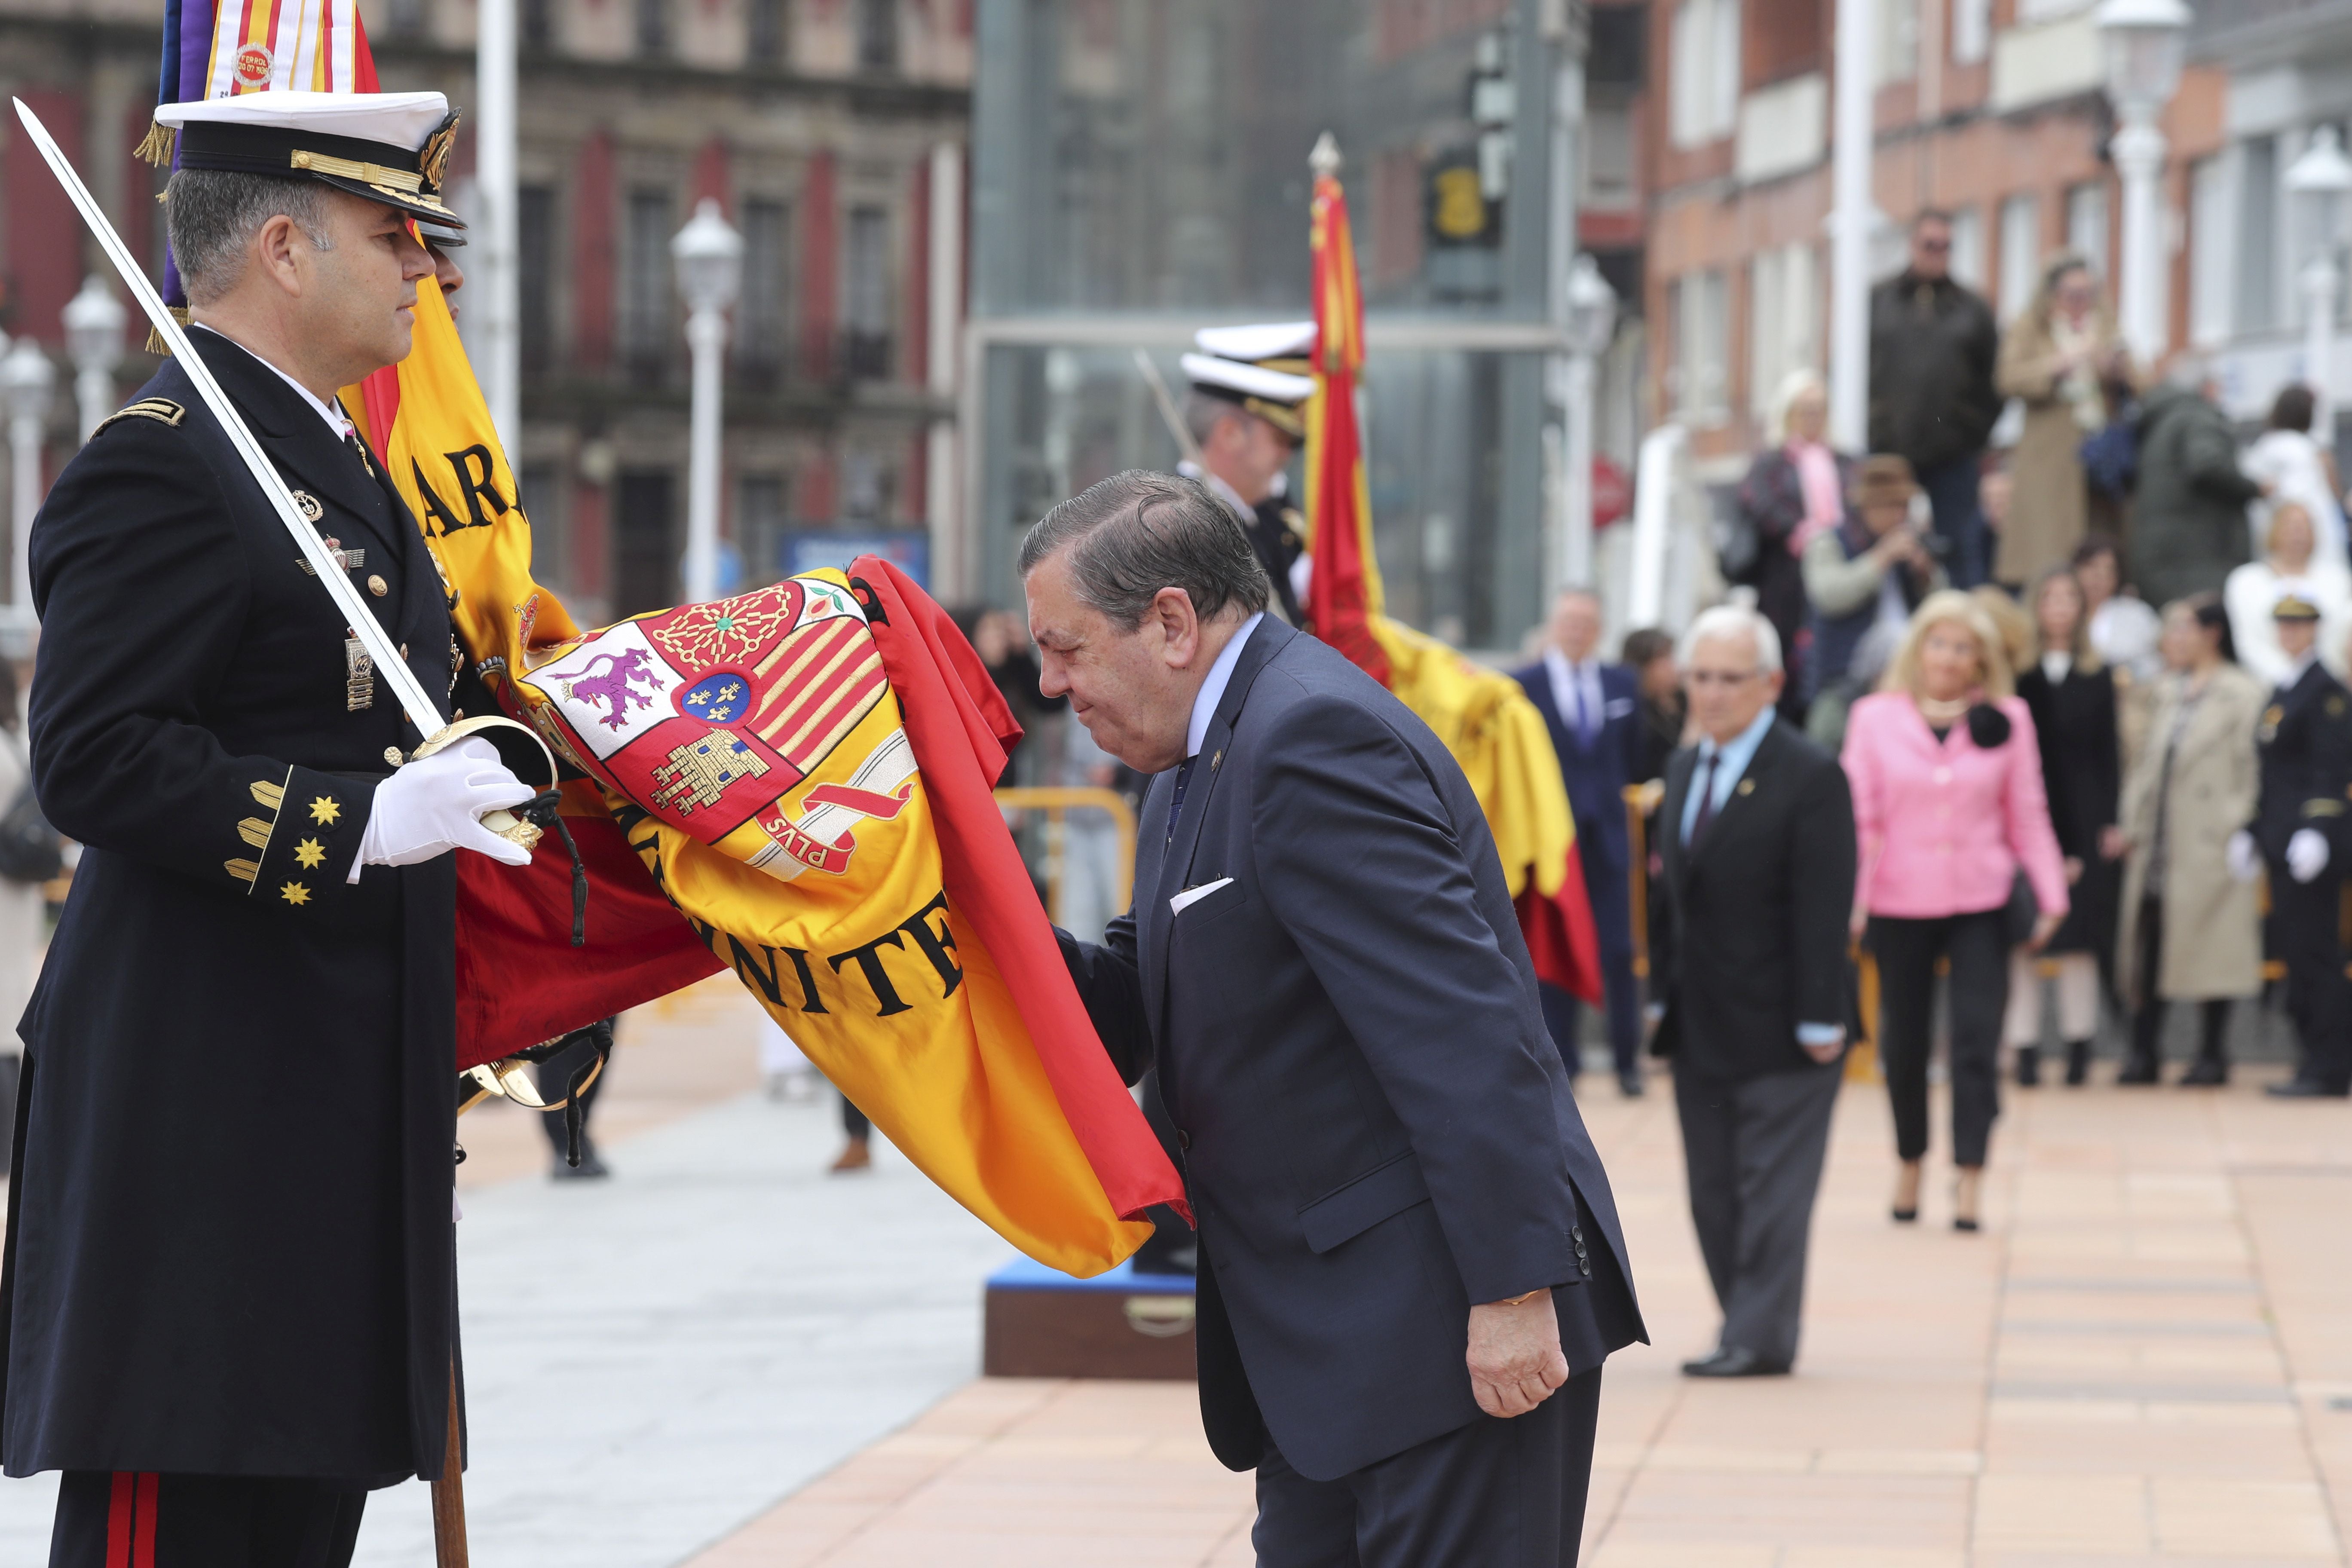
378 586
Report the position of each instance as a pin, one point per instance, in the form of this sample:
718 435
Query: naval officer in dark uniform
230 1295
2306 744
1246 415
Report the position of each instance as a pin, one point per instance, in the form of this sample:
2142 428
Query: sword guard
505 824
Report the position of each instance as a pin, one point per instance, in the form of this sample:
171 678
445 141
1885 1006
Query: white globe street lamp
94 320
26 382
2143 42
709 257
2320 180
1589 326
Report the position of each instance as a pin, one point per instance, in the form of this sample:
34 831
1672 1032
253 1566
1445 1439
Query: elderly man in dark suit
1757 830
1589 708
1411 1267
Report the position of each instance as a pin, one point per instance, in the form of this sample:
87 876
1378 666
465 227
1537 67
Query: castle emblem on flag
697 775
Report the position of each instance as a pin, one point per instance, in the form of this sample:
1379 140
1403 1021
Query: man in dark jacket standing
1758 832
2188 508
1411 1267
2306 747
230 1301
1932 347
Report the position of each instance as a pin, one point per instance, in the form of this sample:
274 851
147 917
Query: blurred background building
831 132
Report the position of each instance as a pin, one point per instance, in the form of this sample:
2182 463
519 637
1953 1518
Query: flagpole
498 348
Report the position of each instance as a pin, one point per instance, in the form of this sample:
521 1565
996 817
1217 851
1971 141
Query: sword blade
420 707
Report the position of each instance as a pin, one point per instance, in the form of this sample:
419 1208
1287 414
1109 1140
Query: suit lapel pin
1747 786
1216 759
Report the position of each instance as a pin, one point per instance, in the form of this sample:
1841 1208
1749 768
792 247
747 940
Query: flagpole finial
1324 160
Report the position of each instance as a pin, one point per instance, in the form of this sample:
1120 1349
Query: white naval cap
1264 368
1264 340
389 146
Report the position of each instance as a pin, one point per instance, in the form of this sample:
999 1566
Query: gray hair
1204 411
1137 533
214 214
1731 621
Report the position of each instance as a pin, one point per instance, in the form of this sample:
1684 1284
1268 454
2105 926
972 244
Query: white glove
2306 854
435 805
2246 861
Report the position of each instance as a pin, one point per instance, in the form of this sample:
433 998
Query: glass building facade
1140 171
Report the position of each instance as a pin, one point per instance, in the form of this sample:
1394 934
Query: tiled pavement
2147 1357
723 1360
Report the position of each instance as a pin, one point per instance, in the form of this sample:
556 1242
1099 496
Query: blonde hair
2020 639
1943 608
1793 386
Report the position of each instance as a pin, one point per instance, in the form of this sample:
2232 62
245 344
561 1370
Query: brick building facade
831 132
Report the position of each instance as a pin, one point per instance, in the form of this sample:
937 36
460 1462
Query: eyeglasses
1934 247
1721 677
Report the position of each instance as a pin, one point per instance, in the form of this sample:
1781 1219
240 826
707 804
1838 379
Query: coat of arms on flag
717 717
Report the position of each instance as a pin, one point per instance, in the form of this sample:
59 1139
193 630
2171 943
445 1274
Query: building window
2212 249
1971 30
538 24
1969 247
768 41
877 34
535 243
542 505
2021 253
1702 349
1706 70
865 293
764 318
646 567
2086 224
1783 300
2256 235
652 26
645 311
1898 40
759 524
404 18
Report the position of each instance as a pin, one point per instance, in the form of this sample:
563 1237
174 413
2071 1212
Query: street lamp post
2319 179
1591 322
94 320
2143 43
709 256
27 380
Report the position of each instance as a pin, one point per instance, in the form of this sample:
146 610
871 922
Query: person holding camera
1863 579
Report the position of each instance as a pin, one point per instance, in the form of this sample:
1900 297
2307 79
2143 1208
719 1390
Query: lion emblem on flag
758 724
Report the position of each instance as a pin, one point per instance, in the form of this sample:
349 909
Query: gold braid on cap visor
404 184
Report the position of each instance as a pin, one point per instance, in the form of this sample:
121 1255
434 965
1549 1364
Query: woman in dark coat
1793 491
2073 699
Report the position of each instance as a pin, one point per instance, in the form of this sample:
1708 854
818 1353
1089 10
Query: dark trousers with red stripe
126 1518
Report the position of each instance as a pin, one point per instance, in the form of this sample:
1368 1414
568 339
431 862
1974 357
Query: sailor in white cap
1246 415
232 1298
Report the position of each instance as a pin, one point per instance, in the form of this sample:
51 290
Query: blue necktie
1706 816
1176 803
1583 711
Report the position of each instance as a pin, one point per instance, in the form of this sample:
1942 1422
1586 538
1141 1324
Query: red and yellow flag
1482 716
794 784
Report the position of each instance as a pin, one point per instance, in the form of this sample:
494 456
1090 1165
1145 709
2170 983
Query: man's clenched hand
1513 1357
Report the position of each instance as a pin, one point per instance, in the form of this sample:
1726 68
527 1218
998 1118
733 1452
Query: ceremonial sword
414 702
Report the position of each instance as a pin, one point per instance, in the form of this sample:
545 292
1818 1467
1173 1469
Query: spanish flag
794 783
1482 716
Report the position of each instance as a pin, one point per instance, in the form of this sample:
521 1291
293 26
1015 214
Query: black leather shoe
2078 1063
2138 1070
1629 1083
2029 1067
2206 1072
2303 1089
1734 1361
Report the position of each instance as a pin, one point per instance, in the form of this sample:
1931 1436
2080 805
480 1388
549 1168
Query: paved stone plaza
723 1358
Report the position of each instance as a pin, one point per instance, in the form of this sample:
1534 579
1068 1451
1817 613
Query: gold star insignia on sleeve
309 852
325 809
295 893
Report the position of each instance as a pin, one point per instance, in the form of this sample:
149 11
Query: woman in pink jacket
1949 806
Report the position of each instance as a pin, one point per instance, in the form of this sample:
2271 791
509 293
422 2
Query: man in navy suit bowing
1411 1267
1595 727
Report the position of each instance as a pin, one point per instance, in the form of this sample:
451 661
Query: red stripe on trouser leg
142 1529
117 1521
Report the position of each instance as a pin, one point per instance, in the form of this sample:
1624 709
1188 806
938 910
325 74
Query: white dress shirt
1212 690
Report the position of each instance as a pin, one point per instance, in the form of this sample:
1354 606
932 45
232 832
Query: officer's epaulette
161 410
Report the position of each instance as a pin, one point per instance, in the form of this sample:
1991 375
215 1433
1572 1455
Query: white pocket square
1190 896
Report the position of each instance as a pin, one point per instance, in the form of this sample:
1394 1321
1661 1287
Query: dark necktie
1706 801
1176 802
